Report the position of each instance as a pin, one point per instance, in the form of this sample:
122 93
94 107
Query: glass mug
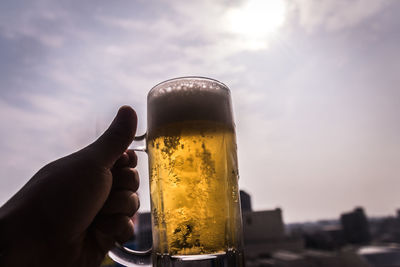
195 202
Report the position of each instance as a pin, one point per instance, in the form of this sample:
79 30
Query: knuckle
132 158
135 180
134 203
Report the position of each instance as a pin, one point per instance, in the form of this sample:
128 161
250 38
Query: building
311 258
381 256
245 201
143 235
264 233
355 227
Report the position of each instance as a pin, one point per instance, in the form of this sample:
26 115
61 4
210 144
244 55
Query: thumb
116 139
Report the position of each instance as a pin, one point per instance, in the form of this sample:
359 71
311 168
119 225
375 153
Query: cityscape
351 240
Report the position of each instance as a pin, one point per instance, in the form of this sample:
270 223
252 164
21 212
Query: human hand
74 209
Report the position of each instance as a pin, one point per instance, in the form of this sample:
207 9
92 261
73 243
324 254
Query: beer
193 170
194 190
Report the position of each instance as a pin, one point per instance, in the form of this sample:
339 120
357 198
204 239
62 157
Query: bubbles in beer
193 176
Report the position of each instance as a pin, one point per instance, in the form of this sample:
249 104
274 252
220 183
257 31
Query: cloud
31 138
33 21
336 15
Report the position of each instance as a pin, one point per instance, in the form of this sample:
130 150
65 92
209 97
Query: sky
315 89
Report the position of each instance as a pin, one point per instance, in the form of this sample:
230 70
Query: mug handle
121 254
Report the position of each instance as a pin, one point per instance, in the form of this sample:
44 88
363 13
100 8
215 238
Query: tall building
144 234
245 201
355 227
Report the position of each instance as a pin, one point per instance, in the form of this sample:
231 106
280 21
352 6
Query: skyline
315 90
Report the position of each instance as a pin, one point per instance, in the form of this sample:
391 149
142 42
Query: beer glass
193 168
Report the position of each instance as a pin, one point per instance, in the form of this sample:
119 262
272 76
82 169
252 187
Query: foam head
189 99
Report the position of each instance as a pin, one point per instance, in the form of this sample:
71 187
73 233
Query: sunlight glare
256 21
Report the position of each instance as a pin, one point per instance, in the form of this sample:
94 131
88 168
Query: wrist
13 248
4 238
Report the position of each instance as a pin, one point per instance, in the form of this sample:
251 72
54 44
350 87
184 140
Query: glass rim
224 86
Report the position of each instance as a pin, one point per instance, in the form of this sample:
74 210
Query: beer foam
189 99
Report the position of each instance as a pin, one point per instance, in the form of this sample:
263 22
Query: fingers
117 228
116 139
127 159
113 220
132 158
122 161
123 202
125 179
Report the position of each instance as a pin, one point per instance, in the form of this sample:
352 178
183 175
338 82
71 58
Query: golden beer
191 144
194 188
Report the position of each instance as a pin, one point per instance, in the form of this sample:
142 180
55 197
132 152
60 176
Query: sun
256 20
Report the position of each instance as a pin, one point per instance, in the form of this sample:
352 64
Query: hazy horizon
314 88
